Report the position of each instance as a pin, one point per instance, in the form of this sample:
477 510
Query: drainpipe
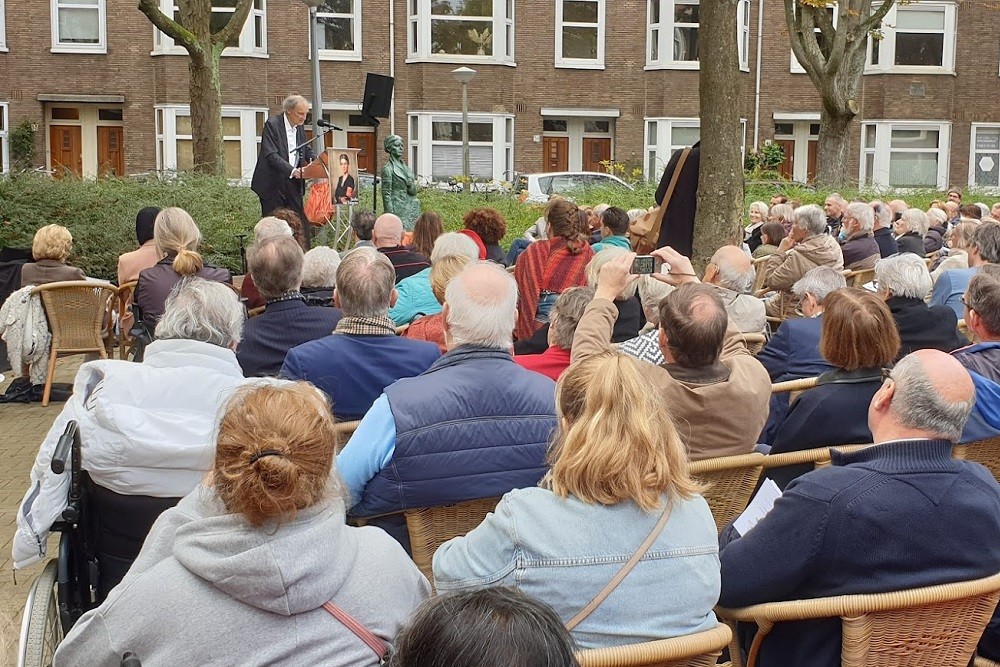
756 104
392 66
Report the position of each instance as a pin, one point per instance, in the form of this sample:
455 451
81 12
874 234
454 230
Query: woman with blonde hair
50 248
257 566
176 237
618 487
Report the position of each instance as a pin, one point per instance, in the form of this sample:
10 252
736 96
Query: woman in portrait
345 184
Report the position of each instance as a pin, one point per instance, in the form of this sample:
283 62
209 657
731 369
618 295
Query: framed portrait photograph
343 165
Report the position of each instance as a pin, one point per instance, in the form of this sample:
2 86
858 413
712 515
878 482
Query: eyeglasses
965 302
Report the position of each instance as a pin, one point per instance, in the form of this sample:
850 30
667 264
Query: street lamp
317 96
464 75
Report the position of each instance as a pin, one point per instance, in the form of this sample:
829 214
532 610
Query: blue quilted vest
474 425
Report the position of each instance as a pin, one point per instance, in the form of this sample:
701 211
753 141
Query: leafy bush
22 145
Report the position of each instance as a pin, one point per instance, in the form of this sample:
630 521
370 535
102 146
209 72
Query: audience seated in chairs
50 248
239 572
565 317
793 351
646 346
319 275
362 225
860 341
132 263
276 266
982 359
363 356
146 428
431 327
265 228
983 249
706 363
806 247
490 226
499 625
474 425
388 239
858 245
618 474
900 514
176 238
903 281
416 297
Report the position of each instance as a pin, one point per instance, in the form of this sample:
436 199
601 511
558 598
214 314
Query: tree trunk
206 111
720 177
834 148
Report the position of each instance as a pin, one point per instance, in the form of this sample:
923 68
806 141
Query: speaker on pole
376 104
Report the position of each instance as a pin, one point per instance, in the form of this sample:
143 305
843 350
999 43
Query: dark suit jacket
921 326
270 176
677 230
283 325
886 242
911 242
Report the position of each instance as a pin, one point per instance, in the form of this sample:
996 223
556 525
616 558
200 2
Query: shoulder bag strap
622 573
364 634
673 181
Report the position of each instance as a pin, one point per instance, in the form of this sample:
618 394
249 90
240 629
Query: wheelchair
101 533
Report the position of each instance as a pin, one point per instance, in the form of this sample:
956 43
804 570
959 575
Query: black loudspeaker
378 95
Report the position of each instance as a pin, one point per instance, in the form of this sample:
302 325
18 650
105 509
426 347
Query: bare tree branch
229 35
168 26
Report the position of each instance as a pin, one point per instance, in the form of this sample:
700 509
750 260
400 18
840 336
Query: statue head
394 145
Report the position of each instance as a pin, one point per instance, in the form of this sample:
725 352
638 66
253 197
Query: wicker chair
859 277
794 387
431 527
985 662
819 457
254 312
701 649
732 480
755 342
402 329
77 311
986 452
936 625
760 265
125 341
345 430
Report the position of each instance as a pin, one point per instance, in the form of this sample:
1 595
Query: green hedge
101 214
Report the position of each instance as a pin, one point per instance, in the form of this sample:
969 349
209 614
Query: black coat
925 327
911 242
886 242
677 230
630 320
283 325
271 175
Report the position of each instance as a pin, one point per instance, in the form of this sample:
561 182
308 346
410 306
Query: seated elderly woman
177 238
490 226
257 566
783 214
146 429
937 230
499 626
319 275
566 314
859 340
959 240
50 248
431 327
753 232
618 467
415 298
910 230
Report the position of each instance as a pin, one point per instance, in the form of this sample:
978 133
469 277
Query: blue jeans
516 248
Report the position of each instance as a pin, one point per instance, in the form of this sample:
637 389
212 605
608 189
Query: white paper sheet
760 505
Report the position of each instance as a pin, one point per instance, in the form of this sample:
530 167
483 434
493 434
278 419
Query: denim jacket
564 551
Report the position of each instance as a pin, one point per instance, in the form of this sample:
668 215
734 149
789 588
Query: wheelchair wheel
41 630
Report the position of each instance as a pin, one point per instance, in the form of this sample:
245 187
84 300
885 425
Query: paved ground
22 428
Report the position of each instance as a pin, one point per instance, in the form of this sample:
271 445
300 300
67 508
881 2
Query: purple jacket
155 283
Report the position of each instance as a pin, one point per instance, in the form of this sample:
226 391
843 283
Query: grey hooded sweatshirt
210 589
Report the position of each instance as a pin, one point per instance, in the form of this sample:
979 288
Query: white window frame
69 47
972 156
418 35
4 137
3 27
882 151
665 36
421 145
601 25
663 147
166 136
887 45
796 66
743 34
355 18
164 45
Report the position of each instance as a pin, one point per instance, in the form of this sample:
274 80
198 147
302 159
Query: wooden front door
110 151
66 146
596 151
787 168
555 153
811 160
365 142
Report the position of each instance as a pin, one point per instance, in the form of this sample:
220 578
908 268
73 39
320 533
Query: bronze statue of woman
399 185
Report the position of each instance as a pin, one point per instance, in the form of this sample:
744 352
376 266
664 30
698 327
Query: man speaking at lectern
277 178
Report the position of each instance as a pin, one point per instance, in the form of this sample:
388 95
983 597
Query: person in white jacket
145 428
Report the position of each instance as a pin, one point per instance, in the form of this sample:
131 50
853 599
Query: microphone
322 122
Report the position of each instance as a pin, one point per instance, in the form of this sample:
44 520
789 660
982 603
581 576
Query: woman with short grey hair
910 230
319 268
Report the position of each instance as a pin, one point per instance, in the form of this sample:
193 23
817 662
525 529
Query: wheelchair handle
62 453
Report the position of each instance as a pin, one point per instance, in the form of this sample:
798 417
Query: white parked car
536 188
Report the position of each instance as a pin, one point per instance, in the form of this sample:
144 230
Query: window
905 154
743 36
461 30
4 141
663 137
580 34
918 37
241 130
3 27
834 13
253 39
984 160
672 34
78 26
436 146
340 27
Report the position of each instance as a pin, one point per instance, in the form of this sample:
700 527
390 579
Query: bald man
899 514
387 236
731 272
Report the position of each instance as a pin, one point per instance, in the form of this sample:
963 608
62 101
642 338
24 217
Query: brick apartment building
561 84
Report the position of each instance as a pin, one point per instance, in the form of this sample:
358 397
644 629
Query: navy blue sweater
894 516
